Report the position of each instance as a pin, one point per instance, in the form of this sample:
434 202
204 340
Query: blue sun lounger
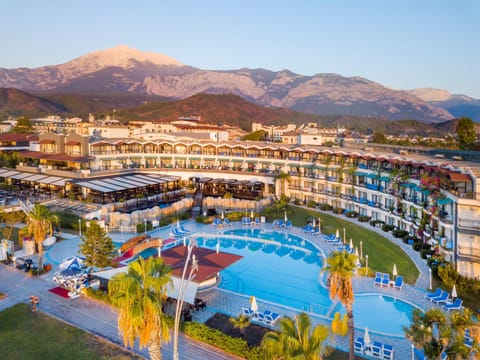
435 294
399 282
456 305
378 279
441 299
386 279
359 345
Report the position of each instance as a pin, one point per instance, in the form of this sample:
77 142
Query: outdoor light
361 249
79 227
181 292
366 262
430 278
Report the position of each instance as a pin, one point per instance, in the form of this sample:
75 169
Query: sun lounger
378 279
247 312
330 237
387 352
456 305
308 228
257 221
280 223
185 231
288 224
217 222
246 220
441 299
399 282
359 345
258 317
385 279
226 222
377 349
315 232
468 339
435 294
270 318
420 355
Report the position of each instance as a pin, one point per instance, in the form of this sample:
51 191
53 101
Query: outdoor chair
441 299
270 318
386 279
378 279
399 282
387 352
359 345
247 312
456 305
437 293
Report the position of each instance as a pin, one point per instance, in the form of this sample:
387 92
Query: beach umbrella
178 223
366 337
394 272
223 215
319 224
159 251
351 244
251 214
454 291
73 262
70 273
337 234
356 254
3 254
313 223
286 219
253 303
218 247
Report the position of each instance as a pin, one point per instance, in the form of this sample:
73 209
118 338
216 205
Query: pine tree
97 247
466 133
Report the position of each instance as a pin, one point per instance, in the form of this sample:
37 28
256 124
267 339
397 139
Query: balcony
472 224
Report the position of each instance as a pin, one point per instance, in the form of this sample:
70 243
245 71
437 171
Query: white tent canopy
190 286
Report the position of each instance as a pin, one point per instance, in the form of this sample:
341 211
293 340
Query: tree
8 220
241 322
296 339
97 247
466 133
340 266
23 126
436 332
40 222
379 137
139 294
258 135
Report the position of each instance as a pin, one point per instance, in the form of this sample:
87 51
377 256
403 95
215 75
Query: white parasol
253 303
337 234
454 291
286 219
394 272
351 244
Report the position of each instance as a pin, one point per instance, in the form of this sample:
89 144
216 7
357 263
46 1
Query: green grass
34 335
382 253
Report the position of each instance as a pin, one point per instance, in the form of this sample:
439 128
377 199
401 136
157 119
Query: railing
468 251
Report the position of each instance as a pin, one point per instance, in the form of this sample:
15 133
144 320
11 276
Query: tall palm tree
40 222
340 266
139 294
296 339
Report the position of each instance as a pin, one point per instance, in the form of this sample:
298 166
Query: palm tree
340 265
296 339
40 222
436 332
139 294
283 177
241 322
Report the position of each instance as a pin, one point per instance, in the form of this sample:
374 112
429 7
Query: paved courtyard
101 319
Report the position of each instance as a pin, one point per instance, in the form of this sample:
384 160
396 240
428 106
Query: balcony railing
469 223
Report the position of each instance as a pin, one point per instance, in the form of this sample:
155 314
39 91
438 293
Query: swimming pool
382 313
284 268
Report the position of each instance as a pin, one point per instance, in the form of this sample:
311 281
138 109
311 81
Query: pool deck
102 321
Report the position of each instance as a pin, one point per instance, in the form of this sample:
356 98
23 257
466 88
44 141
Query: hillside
14 102
130 71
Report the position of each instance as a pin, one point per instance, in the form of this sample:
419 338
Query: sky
400 44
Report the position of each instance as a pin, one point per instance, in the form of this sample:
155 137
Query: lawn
382 253
34 335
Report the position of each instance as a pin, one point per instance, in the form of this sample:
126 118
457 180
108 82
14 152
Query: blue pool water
382 313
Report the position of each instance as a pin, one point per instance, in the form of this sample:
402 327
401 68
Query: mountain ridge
136 73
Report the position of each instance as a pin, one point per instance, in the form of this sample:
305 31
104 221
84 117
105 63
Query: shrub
325 207
417 246
221 340
351 214
387 227
311 204
400 233
425 252
141 227
337 210
364 218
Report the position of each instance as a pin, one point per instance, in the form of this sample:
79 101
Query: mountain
14 102
125 70
457 105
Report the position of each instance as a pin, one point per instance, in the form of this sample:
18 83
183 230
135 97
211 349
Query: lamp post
366 262
181 293
145 225
430 278
361 249
79 227
344 237
413 353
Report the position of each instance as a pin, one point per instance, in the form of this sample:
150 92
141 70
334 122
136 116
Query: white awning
35 177
20 176
49 180
9 173
190 288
